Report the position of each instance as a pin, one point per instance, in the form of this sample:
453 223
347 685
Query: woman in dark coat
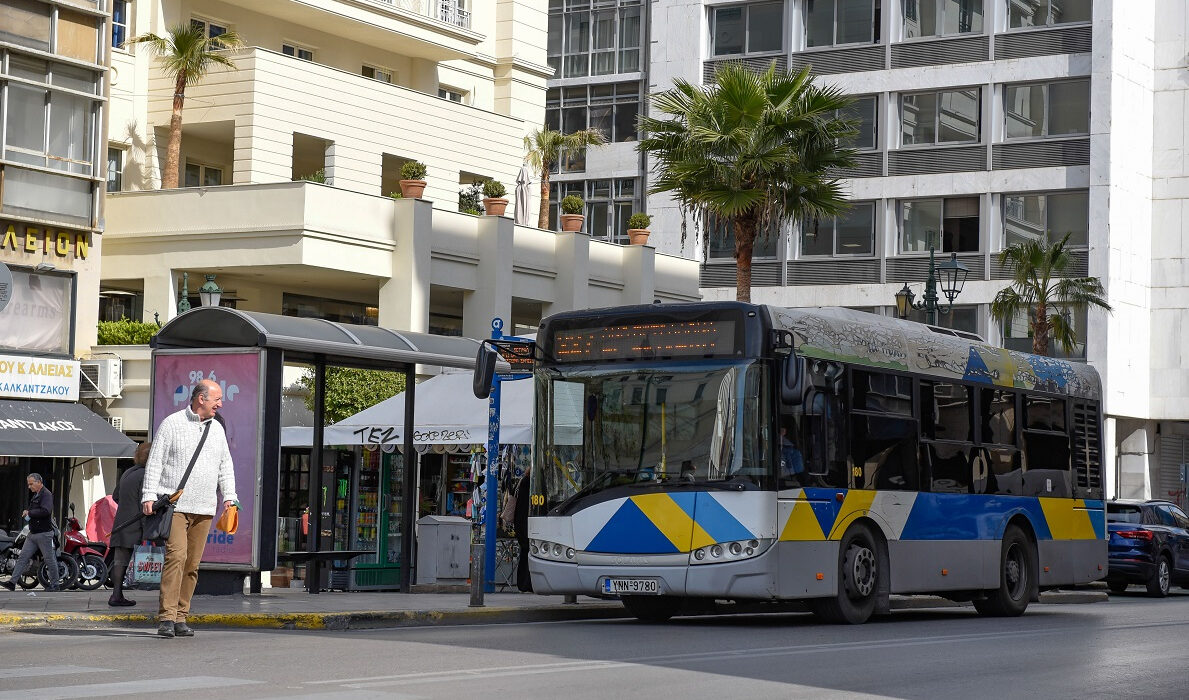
126 537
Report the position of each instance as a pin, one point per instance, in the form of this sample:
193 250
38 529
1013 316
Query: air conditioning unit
117 422
102 378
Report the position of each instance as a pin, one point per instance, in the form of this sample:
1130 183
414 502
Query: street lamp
209 293
953 277
184 301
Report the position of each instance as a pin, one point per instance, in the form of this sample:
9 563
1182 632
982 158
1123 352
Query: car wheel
652 608
1017 577
1161 578
858 580
1117 586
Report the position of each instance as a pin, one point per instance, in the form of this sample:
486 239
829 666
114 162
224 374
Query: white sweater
173 446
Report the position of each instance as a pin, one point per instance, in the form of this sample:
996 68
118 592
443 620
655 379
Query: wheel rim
860 581
88 572
1163 573
1015 572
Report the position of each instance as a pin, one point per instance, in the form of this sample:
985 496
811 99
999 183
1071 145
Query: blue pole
491 511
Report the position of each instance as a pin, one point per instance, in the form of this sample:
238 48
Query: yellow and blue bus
715 451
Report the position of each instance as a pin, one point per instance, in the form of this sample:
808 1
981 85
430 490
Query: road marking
96 690
34 671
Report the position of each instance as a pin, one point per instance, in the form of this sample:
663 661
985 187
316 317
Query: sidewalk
279 608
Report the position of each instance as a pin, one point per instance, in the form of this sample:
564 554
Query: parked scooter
37 571
88 556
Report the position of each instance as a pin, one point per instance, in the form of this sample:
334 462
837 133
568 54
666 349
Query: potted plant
412 179
493 197
638 228
572 207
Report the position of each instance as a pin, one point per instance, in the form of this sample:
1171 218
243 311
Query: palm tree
187 55
757 150
545 147
1037 287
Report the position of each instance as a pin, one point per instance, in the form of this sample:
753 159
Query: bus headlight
729 551
551 551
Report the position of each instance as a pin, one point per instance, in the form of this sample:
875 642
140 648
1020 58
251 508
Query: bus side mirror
790 381
484 370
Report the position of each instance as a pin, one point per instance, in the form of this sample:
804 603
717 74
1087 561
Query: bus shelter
245 352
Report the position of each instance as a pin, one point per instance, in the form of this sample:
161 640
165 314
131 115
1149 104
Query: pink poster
238 373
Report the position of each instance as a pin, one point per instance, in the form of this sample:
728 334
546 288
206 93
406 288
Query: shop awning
49 429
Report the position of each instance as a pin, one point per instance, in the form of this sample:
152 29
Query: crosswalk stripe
95 690
34 671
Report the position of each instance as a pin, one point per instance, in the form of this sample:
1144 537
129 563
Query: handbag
158 525
148 561
229 521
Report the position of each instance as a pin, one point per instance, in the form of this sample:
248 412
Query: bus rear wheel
858 580
1017 577
651 608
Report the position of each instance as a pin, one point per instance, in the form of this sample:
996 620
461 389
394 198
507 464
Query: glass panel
1023 218
817 237
962 16
47 196
629 60
1031 13
1069 108
25 23
1023 106
212 177
629 28
115 167
602 63
193 175
623 212
576 65
625 121
28 68
1070 11
573 119
959 116
599 225
1070 213
70 128
921 220
960 226
600 118
856 231
882 393
604 30
819 23
600 189
855 21
945 412
1044 413
765 27
78 35
884 452
728 31
862 110
998 416
554 40
918 114
25 122
920 18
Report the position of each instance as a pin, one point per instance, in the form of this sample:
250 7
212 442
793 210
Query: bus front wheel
858 580
646 608
1017 577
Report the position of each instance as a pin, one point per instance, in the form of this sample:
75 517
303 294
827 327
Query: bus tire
1017 577
1161 579
858 580
649 608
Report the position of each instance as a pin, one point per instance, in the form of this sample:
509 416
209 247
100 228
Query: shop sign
33 244
46 379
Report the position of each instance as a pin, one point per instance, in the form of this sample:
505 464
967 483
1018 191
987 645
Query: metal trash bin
443 549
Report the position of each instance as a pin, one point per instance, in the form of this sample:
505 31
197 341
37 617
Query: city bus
724 451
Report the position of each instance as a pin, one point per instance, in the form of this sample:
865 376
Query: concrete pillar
492 296
404 298
1136 442
328 162
639 278
161 295
261 155
572 253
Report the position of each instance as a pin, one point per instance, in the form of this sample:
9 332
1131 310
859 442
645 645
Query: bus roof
862 338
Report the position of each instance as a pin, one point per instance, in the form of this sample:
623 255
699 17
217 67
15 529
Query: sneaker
165 629
53 589
9 585
181 629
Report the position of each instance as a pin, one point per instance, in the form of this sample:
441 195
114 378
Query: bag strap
193 458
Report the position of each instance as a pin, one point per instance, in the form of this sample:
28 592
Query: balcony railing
448 11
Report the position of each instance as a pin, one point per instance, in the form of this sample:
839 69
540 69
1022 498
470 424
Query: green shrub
639 220
572 204
126 332
396 195
494 189
413 170
317 176
470 200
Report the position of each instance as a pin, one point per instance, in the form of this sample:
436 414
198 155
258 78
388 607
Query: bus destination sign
638 341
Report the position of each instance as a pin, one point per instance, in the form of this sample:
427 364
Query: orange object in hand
229 521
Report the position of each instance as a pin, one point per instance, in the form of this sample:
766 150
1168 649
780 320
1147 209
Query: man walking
41 533
177 441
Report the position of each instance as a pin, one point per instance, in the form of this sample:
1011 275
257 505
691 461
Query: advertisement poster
238 373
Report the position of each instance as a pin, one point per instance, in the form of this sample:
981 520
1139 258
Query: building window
853 233
745 29
956 219
942 17
119 22
1046 109
1017 334
382 74
864 112
839 22
115 169
1047 217
46 127
948 116
329 309
609 205
1043 13
720 244
210 28
612 108
297 51
959 318
33 20
451 94
601 40
200 175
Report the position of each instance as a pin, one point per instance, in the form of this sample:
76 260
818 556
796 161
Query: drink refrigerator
375 520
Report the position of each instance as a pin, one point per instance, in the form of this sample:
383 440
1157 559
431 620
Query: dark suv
1149 545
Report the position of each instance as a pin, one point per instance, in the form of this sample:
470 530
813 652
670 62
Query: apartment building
982 123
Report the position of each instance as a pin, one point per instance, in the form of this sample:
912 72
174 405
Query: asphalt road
1130 647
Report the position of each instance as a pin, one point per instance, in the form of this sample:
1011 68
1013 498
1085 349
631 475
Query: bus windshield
639 428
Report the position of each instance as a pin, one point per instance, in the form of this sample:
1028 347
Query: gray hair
36 477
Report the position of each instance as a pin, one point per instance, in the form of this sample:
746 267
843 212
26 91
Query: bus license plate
631 586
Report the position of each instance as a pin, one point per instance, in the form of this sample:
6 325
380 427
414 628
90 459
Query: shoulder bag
158 525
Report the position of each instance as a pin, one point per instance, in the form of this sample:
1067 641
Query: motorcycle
38 571
88 556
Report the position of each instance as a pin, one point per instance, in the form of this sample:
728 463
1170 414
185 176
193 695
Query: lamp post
184 302
209 293
952 278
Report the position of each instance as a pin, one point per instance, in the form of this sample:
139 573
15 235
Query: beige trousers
183 551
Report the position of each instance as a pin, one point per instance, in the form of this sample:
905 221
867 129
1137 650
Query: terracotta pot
638 236
495 206
572 222
412 189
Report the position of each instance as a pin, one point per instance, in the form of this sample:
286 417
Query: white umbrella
523 182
